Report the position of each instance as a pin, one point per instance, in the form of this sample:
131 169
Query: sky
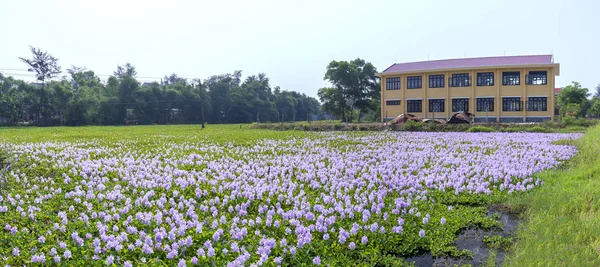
293 41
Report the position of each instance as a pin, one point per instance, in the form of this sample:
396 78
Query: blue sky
293 41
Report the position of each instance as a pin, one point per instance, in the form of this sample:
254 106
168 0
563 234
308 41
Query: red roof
557 90
470 63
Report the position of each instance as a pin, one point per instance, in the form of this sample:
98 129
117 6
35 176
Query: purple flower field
330 199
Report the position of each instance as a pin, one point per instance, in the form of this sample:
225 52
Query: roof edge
556 65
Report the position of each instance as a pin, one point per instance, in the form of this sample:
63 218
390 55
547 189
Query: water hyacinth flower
316 260
242 192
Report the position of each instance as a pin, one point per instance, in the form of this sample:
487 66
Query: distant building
148 83
557 91
501 89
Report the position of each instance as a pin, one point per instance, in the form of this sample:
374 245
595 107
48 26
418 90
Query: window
436 105
392 83
485 79
414 106
460 104
511 78
436 81
392 102
537 77
460 80
537 104
485 104
511 104
413 82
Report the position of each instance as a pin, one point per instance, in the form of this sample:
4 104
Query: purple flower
352 245
16 251
316 260
443 221
422 233
127 264
182 263
364 240
67 254
110 260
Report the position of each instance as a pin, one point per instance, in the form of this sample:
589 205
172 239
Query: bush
480 129
539 129
568 120
412 126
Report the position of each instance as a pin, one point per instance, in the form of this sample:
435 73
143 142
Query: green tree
356 82
597 93
45 67
594 110
12 94
570 109
571 95
127 88
332 101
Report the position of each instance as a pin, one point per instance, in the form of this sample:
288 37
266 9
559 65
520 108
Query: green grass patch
480 129
562 219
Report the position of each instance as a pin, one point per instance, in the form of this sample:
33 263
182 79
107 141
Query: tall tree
45 67
128 86
43 64
126 70
356 82
597 93
172 79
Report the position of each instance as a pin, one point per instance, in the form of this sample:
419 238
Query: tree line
81 98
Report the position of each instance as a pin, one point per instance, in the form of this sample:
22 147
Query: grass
562 218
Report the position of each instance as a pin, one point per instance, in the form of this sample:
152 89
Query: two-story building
495 89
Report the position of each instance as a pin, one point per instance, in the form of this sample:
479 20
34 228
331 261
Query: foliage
594 110
539 129
480 129
412 126
497 242
43 64
572 99
81 98
354 86
562 227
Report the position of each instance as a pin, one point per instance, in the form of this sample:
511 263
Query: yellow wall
497 91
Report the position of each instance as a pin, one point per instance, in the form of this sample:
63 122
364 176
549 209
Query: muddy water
472 239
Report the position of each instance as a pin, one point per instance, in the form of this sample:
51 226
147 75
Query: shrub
539 129
480 129
568 120
412 126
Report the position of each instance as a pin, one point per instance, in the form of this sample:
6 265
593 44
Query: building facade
495 89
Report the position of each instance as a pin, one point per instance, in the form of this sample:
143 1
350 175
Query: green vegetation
571 125
561 220
498 242
480 129
81 98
